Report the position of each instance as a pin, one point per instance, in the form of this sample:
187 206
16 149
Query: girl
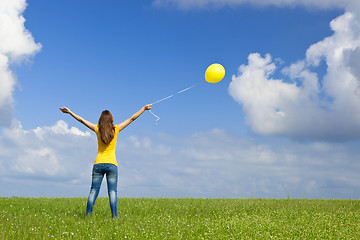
105 161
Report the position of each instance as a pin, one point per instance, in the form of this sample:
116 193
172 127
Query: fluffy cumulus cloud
301 104
16 45
56 155
57 161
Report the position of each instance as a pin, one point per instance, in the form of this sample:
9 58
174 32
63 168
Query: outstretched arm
77 117
126 123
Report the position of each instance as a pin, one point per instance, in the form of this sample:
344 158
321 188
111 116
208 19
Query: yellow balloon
214 73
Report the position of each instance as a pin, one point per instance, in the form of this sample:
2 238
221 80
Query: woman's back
106 152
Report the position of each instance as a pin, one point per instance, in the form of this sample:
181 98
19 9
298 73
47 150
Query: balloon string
176 93
155 116
163 99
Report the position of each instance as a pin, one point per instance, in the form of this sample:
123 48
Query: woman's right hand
148 107
64 109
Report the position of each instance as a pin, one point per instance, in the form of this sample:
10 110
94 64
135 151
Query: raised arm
126 123
77 117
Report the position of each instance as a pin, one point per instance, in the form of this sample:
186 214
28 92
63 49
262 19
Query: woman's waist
105 160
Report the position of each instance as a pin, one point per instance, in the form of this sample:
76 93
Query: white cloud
207 164
144 146
37 161
217 164
16 44
300 104
61 128
45 153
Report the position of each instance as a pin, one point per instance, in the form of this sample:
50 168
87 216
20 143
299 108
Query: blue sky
285 120
145 53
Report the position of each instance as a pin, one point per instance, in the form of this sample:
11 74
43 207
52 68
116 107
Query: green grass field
161 218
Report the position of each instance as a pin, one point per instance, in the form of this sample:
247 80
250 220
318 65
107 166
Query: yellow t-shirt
106 152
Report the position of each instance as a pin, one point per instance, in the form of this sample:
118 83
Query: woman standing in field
105 161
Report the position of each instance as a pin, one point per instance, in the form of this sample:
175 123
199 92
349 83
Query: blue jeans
99 170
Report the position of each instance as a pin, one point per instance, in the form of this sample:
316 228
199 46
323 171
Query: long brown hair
106 126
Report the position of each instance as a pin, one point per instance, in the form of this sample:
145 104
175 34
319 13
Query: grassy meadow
162 218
